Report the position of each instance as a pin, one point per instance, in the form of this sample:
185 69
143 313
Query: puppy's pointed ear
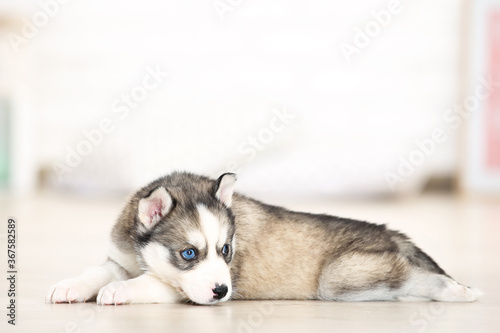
154 207
224 188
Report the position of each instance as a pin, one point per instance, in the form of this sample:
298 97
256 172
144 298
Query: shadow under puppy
186 237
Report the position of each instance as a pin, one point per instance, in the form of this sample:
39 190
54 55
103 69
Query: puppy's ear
154 207
224 188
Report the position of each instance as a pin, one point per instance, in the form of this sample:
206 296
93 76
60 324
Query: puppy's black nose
219 291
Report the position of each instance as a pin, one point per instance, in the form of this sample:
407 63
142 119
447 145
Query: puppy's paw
115 293
455 292
69 291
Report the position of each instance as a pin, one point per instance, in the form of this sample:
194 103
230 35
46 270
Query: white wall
226 79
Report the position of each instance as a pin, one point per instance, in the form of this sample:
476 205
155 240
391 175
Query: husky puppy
186 237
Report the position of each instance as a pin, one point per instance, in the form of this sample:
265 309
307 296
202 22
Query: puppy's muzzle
220 291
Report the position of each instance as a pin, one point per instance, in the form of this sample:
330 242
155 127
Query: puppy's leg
438 287
85 286
143 289
363 276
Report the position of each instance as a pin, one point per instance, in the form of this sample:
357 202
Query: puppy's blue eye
225 250
189 254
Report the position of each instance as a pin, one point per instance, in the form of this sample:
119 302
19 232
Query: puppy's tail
415 256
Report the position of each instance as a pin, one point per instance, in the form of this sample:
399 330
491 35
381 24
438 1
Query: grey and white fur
186 237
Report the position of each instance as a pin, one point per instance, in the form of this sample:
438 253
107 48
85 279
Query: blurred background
300 98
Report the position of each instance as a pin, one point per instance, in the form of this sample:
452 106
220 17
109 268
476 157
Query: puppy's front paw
69 291
115 293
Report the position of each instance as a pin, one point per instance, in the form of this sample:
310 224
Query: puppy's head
187 238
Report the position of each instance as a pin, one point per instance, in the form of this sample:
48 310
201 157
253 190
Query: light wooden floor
59 236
